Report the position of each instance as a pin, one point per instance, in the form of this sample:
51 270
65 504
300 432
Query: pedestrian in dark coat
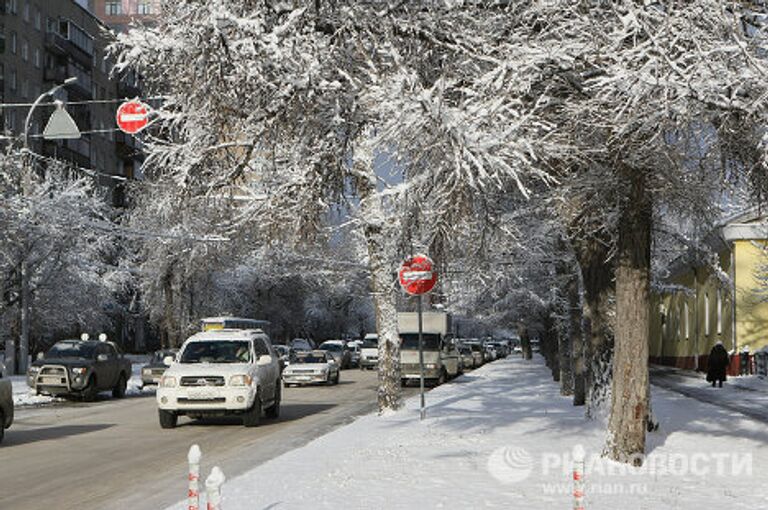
717 364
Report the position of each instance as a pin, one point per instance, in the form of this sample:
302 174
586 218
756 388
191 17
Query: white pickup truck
221 372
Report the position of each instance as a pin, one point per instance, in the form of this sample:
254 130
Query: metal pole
423 411
26 181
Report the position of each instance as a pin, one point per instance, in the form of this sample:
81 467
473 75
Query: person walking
717 364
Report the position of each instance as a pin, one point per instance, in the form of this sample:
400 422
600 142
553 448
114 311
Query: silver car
6 402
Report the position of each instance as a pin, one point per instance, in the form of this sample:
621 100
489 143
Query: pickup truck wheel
168 419
119 390
273 411
91 391
252 416
338 376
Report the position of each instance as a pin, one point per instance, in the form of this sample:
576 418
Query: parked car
339 351
153 371
369 352
312 367
354 353
478 353
80 368
6 402
490 352
224 372
467 360
302 344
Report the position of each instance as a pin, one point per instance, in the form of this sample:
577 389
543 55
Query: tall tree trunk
166 334
26 318
630 397
563 272
564 355
371 211
597 280
577 341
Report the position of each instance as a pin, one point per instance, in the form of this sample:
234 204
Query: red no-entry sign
132 117
416 275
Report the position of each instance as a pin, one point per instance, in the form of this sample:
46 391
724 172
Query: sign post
417 278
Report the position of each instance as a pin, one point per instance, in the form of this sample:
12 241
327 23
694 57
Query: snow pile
503 437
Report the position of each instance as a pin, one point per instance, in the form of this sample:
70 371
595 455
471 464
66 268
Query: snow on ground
501 437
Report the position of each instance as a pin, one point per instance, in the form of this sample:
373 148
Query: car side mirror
264 359
102 357
168 360
40 355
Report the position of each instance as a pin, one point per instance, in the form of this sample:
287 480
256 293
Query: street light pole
26 185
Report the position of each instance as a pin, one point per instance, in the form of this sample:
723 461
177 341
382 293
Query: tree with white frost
61 228
292 106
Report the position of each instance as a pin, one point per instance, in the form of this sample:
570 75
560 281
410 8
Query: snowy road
101 455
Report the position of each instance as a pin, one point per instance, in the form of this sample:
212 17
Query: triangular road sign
61 126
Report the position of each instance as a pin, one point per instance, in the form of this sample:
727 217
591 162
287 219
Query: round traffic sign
132 116
416 275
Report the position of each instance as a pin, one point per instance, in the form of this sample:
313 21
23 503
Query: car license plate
201 394
52 380
304 378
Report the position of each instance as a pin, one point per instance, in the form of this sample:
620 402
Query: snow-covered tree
60 230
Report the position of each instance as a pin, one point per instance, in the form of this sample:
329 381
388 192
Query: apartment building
42 43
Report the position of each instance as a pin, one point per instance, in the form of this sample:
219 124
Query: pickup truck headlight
430 366
167 381
240 380
146 371
33 371
78 370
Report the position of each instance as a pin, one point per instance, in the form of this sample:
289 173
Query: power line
85 102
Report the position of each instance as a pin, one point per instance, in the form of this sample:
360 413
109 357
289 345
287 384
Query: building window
38 19
144 8
26 11
38 59
2 38
13 42
13 6
25 88
25 50
706 313
113 8
12 79
719 312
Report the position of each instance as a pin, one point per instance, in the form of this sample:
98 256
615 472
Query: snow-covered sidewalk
501 437
747 394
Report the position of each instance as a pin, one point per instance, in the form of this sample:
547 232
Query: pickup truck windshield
370 344
410 341
71 350
331 347
217 351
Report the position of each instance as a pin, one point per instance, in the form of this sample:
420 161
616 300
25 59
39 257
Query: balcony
60 45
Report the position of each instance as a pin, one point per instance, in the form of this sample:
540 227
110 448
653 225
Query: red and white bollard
578 478
213 488
193 494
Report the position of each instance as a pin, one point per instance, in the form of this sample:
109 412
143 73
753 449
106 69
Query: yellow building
695 308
